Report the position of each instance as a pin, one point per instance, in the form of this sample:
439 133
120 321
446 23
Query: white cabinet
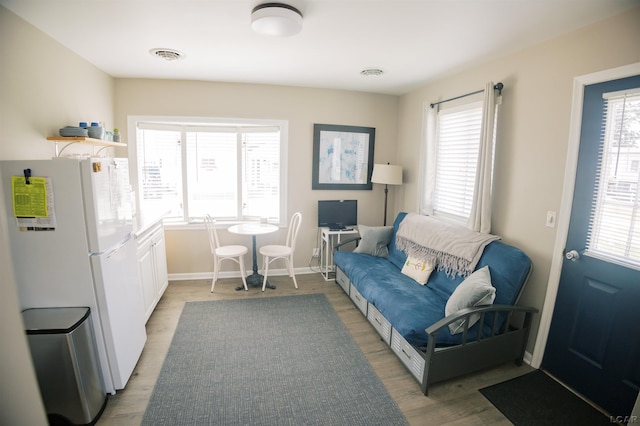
152 267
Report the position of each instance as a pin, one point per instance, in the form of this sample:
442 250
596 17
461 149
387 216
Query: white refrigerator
82 253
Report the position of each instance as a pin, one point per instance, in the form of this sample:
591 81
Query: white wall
43 87
188 250
533 133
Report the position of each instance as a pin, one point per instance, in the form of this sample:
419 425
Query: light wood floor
455 402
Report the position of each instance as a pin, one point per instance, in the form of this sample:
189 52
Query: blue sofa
410 317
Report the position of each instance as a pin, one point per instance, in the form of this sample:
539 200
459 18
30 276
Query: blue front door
594 338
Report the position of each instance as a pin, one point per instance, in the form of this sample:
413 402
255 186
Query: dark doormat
537 399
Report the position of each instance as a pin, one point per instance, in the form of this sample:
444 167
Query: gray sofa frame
501 346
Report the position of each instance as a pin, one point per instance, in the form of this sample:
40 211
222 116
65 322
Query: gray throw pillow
374 240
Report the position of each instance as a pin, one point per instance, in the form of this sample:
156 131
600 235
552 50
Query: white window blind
160 169
211 173
261 174
614 227
458 136
230 172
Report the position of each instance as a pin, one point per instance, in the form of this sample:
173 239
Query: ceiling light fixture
167 54
371 71
276 19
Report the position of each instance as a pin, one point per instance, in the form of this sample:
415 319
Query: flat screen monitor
337 214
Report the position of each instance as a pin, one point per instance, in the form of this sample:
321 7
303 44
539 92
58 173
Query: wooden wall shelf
70 140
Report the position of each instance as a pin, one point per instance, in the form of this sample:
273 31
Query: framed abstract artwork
342 156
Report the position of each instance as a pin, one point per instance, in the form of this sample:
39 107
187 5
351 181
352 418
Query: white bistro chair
273 252
220 253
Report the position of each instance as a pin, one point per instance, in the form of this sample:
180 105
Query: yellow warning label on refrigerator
29 199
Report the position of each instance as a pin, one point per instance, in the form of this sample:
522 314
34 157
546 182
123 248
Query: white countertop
145 222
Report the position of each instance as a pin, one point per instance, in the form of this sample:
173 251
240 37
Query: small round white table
254 229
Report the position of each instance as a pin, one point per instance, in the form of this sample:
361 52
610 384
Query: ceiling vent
371 71
167 54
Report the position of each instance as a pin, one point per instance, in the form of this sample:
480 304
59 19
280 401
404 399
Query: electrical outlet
316 252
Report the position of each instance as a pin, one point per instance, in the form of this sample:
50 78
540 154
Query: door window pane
614 230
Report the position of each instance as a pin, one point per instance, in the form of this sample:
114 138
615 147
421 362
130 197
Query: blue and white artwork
343 157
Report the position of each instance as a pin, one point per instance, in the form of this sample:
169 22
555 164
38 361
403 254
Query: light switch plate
551 219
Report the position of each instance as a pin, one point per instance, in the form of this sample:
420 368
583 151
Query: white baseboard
235 274
528 357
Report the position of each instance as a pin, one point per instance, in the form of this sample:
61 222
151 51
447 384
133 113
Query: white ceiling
412 41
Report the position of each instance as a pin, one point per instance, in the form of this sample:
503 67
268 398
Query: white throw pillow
475 290
417 269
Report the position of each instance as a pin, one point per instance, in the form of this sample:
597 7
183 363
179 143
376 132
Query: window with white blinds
212 168
614 227
458 143
159 169
230 172
261 175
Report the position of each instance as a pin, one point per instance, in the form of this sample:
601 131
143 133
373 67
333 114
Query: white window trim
172 121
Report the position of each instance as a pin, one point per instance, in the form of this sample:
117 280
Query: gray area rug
267 361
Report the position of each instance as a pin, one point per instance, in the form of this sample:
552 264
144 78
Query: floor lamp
386 174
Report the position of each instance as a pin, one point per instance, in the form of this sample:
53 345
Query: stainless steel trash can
63 349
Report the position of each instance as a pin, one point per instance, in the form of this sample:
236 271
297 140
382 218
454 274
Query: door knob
572 255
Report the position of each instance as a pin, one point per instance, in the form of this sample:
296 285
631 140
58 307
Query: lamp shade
387 174
276 19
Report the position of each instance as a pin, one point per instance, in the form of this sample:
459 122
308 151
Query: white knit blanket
452 248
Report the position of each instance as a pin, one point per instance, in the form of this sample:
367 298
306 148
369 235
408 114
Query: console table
329 240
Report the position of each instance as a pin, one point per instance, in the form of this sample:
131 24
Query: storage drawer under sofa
380 323
358 300
343 280
409 356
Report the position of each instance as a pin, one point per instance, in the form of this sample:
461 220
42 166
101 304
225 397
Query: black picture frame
342 157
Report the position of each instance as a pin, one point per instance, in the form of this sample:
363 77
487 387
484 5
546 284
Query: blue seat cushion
407 305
